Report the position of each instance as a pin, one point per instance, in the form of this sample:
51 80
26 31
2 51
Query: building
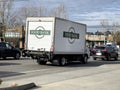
93 39
15 36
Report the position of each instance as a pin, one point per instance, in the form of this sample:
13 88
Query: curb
21 87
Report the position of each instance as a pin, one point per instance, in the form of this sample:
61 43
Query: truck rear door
39 35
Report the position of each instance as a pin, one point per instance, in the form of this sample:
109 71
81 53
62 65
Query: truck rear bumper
37 54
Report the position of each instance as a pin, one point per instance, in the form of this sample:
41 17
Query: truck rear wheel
62 61
84 59
41 62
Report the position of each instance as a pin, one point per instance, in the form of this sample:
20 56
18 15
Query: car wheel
103 58
116 58
4 58
17 56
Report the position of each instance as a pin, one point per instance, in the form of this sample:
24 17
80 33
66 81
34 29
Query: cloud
98 15
90 12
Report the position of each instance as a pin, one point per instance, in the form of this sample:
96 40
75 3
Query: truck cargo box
63 36
52 38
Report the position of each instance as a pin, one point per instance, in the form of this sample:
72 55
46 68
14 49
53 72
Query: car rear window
99 47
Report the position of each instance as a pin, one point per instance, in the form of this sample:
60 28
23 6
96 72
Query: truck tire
23 54
41 62
84 59
62 61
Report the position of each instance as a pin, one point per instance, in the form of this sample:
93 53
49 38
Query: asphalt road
27 69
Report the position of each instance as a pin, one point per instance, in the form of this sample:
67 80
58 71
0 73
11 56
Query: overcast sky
90 12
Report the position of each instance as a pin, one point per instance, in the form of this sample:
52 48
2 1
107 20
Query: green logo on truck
40 32
71 35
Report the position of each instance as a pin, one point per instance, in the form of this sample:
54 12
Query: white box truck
55 40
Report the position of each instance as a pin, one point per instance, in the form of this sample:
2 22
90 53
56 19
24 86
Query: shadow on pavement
8 63
95 63
90 63
8 74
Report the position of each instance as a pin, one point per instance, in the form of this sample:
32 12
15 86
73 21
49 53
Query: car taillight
94 50
104 50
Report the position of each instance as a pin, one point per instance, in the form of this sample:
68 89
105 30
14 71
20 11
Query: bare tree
111 29
60 11
24 12
98 33
115 32
38 11
42 11
105 25
117 37
6 13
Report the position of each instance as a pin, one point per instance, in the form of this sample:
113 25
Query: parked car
7 50
104 52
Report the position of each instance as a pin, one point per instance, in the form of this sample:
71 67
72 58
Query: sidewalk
105 81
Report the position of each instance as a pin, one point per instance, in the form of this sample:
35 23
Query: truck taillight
52 48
